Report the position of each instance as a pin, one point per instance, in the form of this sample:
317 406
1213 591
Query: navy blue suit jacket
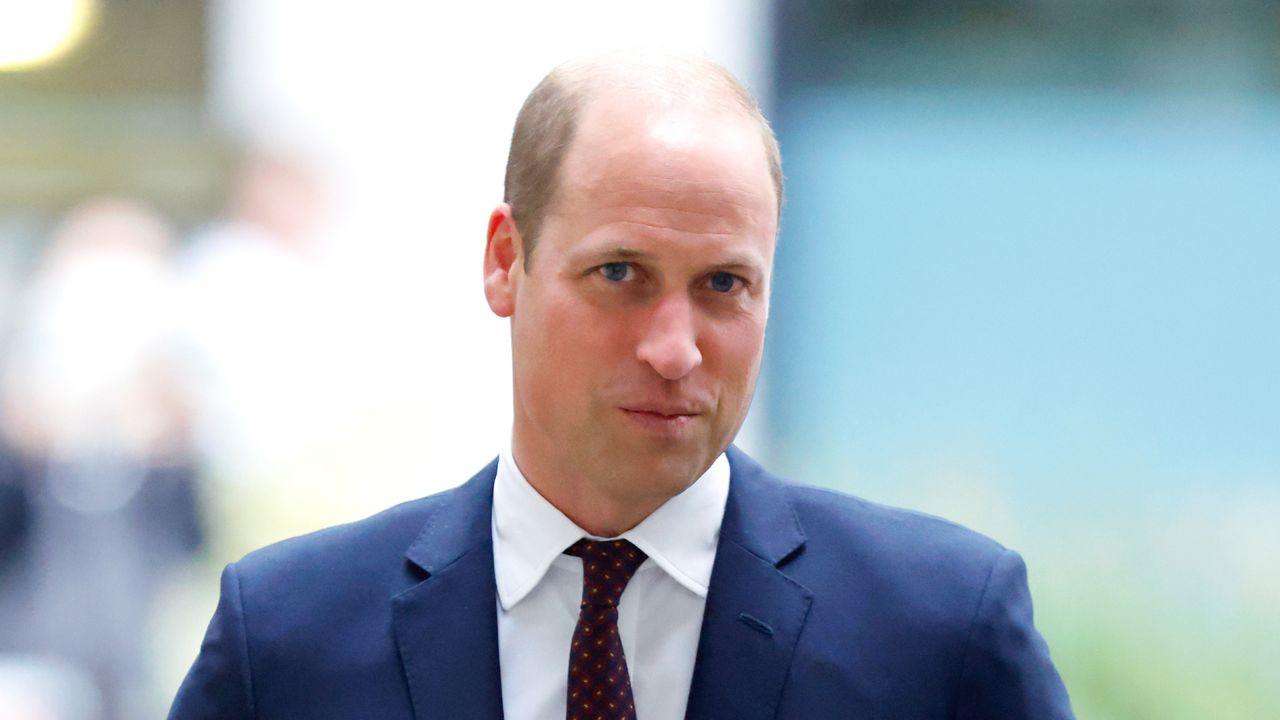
821 606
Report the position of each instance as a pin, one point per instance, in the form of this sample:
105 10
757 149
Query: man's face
638 325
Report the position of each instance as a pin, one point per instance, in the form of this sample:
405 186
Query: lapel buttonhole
756 624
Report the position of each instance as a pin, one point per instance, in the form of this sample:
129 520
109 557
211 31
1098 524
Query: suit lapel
446 625
755 612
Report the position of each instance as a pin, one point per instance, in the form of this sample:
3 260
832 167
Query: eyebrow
622 252
614 251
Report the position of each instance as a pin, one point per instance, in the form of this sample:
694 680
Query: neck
600 516
603 507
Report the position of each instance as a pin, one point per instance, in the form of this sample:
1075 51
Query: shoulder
366 560
941 612
326 597
302 618
902 560
341 548
338 579
896 559
893 534
829 522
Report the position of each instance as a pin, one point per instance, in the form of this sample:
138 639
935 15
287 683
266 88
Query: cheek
580 346
733 354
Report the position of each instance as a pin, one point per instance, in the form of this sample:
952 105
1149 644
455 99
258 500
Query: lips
668 420
662 410
669 425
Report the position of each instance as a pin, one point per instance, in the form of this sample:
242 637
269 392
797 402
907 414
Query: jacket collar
759 516
446 624
755 611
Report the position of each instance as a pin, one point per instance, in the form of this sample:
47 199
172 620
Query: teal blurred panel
1076 295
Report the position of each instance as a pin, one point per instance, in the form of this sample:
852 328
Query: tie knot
607 567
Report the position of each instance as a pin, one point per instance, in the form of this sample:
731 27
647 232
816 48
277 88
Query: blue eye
617 271
723 282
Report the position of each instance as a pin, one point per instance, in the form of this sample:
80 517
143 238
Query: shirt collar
529 533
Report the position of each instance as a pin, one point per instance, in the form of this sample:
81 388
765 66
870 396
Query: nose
669 343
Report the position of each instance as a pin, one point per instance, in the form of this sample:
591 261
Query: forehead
645 152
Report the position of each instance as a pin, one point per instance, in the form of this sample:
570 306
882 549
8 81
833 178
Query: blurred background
1027 280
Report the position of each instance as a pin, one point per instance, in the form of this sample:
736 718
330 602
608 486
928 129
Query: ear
502 258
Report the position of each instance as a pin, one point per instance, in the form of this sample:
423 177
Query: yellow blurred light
34 32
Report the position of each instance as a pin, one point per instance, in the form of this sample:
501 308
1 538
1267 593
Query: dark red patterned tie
599 686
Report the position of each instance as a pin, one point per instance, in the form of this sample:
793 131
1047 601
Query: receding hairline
547 126
663 78
656 75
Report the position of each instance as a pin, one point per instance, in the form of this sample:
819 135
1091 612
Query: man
633 257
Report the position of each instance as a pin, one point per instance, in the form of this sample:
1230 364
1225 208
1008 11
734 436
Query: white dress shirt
659 615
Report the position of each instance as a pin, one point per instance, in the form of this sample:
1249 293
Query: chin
672 470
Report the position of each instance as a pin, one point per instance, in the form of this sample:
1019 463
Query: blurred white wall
406 109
